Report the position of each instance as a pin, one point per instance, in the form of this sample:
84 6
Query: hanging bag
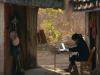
15 52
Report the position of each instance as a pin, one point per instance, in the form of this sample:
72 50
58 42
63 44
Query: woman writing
82 55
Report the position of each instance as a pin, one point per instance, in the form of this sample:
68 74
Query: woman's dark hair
77 36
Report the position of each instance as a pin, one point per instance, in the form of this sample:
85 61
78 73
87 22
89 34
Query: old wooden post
32 35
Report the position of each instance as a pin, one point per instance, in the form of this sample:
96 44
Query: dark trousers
76 58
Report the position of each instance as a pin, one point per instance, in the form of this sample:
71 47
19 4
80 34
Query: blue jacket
82 49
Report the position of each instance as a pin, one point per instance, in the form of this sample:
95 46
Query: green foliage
51 37
42 11
52 10
68 34
67 24
57 34
60 10
50 29
43 48
49 24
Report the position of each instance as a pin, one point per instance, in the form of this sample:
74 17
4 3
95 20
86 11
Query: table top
57 52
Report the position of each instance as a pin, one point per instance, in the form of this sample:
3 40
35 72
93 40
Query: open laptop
63 46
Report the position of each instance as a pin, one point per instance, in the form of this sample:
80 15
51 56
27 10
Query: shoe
69 68
75 69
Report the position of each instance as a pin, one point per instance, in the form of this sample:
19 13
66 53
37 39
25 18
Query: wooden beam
32 35
2 0
87 31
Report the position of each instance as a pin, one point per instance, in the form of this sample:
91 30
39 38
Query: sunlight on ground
49 70
59 69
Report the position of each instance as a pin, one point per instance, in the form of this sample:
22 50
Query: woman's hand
68 48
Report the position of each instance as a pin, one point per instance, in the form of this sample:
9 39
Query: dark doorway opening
92 43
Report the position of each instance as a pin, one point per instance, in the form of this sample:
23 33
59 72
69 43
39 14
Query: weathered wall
97 69
98 43
28 53
31 36
1 38
27 29
8 59
22 34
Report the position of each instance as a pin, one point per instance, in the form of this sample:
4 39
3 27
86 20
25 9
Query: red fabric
93 25
94 29
90 23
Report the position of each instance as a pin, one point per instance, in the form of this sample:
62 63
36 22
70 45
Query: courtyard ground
45 57
49 70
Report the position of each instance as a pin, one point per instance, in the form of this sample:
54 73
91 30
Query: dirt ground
45 57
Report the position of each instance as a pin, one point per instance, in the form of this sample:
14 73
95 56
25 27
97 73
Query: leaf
50 31
57 34
53 27
43 48
67 24
68 34
51 37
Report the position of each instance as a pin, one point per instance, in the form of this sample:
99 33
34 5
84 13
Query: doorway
92 39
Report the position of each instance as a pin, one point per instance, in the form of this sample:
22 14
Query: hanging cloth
91 23
94 29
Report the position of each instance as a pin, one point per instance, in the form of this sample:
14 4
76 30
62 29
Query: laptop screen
63 45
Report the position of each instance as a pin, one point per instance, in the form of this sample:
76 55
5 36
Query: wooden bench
87 65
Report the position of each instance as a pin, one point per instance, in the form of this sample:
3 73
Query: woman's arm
75 49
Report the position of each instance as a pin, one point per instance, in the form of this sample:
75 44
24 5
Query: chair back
91 54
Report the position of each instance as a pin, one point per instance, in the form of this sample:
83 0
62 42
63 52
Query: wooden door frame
97 39
87 33
87 30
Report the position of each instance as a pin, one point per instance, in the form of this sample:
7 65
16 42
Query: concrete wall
1 38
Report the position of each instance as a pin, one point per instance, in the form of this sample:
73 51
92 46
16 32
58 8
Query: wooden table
59 52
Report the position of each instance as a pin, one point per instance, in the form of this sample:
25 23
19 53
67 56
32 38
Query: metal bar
69 57
54 62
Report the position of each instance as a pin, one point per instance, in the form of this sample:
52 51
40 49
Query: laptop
63 46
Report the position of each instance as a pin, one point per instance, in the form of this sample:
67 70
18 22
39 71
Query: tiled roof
39 3
77 4
84 4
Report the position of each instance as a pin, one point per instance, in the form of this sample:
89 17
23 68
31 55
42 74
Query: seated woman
82 55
